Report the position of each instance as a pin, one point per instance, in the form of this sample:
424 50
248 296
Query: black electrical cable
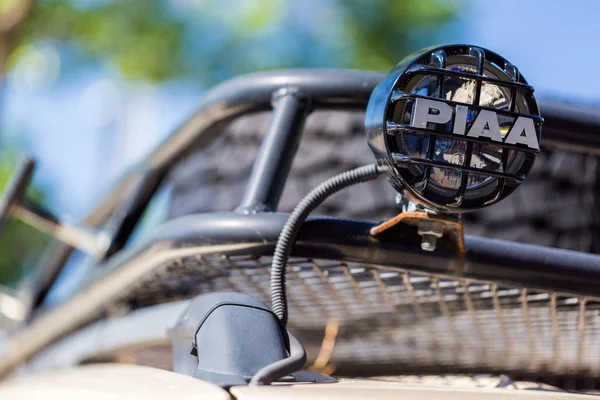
288 234
281 368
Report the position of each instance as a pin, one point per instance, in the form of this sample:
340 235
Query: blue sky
70 126
553 43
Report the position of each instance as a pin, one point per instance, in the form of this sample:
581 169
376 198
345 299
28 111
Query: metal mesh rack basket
397 320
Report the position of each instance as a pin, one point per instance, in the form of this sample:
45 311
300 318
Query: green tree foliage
385 31
210 40
12 15
137 36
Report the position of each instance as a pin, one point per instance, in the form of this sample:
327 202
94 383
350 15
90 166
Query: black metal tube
530 266
126 216
510 263
323 88
14 192
572 127
276 153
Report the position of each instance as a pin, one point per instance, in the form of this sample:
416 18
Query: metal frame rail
292 95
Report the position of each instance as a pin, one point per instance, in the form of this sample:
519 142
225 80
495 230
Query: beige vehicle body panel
110 381
368 389
122 381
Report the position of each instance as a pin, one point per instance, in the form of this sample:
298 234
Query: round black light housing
456 127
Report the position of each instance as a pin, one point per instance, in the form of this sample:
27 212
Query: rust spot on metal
453 229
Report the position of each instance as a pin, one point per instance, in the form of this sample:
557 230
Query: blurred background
88 87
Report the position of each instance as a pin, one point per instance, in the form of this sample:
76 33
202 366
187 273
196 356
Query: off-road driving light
455 127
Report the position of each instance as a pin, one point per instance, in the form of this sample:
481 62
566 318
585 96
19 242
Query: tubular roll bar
567 126
294 94
247 94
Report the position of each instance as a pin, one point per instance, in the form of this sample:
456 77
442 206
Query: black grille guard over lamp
457 127
252 229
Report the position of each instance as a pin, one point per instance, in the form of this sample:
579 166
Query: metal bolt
428 242
399 198
430 230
